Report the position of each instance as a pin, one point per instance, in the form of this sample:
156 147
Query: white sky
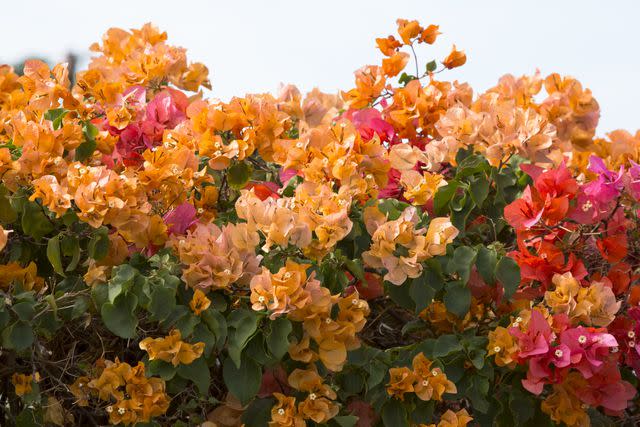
252 46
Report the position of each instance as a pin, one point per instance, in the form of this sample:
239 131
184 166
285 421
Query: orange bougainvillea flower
388 46
393 65
284 413
172 349
401 381
23 383
430 34
456 58
408 30
430 383
199 302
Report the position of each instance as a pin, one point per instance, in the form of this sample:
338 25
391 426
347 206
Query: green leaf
56 115
443 197
405 78
243 324
70 246
201 333
54 255
198 372
356 268
162 303
25 310
34 222
278 338
522 408
445 345
7 213
394 414
477 358
421 293
99 244
478 392
217 324
242 381
400 294
160 368
461 262
119 316
258 413
29 417
80 306
457 298
479 190
486 264
431 66
121 281
18 336
472 165
346 420
239 174
508 273
85 150
89 130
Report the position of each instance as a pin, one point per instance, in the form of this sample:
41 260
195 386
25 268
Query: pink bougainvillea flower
607 389
165 111
393 188
535 341
634 180
589 347
180 218
369 122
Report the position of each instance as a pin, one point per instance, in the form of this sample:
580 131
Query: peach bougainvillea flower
172 349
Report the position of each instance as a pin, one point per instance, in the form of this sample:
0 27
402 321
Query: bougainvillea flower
589 347
369 122
180 218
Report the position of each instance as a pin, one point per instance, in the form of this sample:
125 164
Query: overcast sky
252 46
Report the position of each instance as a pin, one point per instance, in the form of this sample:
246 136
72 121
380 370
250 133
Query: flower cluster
131 396
400 248
426 381
406 252
317 405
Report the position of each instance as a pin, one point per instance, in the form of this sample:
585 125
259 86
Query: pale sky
253 46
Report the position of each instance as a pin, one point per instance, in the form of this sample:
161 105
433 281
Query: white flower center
121 411
280 411
559 353
496 349
425 383
582 339
587 205
109 409
434 373
631 334
312 396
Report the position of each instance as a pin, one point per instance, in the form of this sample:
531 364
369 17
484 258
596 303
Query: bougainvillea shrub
404 253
